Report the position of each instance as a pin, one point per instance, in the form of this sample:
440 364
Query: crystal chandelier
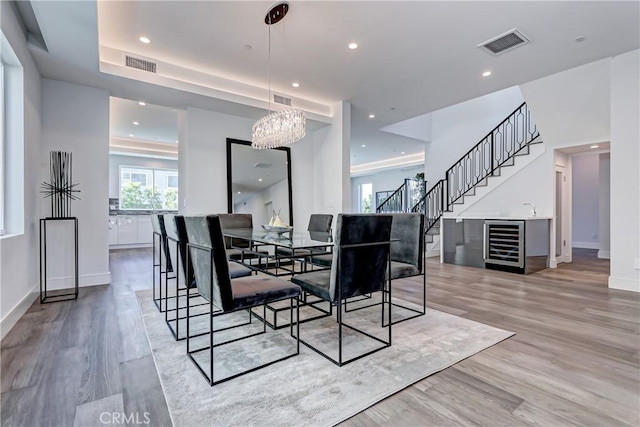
278 128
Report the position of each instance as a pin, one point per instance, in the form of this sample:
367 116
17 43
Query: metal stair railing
404 198
485 159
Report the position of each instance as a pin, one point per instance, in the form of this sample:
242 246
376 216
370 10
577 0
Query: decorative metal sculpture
60 189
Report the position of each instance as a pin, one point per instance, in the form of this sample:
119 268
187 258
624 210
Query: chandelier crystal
277 128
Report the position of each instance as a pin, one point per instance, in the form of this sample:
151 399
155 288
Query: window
148 189
12 126
366 198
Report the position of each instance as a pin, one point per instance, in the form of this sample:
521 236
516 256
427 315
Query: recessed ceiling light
364 145
144 40
260 179
142 103
402 152
486 74
295 84
136 123
353 46
239 192
131 135
372 116
177 141
595 146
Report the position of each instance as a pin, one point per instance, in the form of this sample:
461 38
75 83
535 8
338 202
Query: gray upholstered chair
183 276
407 256
359 267
161 262
237 248
319 224
224 295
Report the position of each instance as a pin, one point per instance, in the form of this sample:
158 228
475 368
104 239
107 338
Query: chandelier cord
269 65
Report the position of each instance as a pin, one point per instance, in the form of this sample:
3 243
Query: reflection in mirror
259 182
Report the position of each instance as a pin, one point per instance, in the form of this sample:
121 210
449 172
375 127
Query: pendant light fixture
277 128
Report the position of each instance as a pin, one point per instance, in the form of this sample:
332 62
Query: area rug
308 390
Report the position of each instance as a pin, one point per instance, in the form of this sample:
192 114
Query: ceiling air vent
504 42
261 165
281 100
140 64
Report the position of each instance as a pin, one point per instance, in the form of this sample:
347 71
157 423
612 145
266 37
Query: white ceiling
155 123
414 57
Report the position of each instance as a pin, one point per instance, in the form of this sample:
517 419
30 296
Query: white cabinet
127 230
130 230
145 230
113 230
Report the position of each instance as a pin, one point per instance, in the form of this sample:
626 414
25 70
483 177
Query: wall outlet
636 263
594 236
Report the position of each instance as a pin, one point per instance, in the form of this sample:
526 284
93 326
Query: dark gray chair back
360 269
157 224
176 230
320 222
236 221
207 232
407 231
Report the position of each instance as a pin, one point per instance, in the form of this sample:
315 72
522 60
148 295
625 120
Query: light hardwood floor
574 358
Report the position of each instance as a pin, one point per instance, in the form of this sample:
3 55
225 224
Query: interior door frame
564 227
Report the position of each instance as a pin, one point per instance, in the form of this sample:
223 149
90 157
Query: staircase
404 198
511 138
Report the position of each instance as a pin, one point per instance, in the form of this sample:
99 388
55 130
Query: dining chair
319 224
360 264
239 249
206 249
161 263
407 259
184 277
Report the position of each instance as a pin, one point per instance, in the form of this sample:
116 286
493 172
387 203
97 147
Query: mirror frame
287 150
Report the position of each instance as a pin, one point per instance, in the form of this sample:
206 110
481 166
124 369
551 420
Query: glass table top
290 239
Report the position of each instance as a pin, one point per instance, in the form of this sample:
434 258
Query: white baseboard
131 246
55 283
18 311
586 245
553 263
604 254
624 284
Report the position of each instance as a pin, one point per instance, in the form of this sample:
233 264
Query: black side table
44 298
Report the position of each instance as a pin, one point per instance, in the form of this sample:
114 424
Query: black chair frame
339 305
216 312
174 323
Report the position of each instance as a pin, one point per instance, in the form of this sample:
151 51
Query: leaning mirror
259 182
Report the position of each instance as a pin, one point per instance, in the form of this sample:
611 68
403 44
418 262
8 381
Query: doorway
562 215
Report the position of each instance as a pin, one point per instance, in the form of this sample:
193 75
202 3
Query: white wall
116 160
203 165
625 174
530 184
331 189
203 159
76 119
382 181
572 107
604 208
454 130
19 254
585 171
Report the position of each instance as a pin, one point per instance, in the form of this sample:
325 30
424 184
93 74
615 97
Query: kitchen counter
510 243
499 217
117 212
